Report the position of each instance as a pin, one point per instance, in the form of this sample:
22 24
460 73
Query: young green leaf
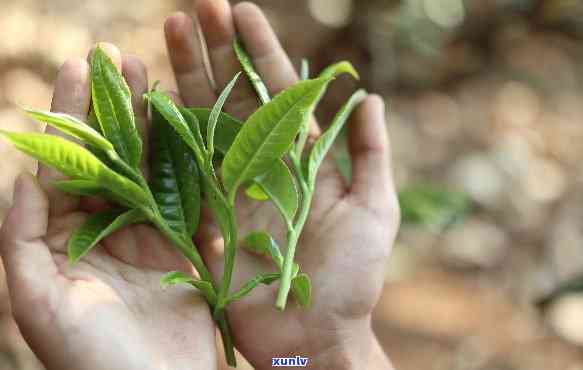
97 227
163 104
262 243
112 104
302 289
73 127
279 185
227 127
81 188
252 76
214 116
174 177
177 277
269 133
339 68
324 142
76 162
194 125
265 279
256 193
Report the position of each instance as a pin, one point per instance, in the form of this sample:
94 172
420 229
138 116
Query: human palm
107 311
350 228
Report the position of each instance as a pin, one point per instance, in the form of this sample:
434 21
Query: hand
349 234
108 311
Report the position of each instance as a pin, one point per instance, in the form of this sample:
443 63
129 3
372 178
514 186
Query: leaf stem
184 245
230 251
293 237
224 328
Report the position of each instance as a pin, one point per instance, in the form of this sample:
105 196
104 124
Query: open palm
108 311
351 227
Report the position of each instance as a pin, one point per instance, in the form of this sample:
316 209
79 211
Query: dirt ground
484 97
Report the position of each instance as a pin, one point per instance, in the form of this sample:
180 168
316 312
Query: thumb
28 263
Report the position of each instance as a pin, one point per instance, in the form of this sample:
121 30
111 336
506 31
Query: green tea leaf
73 127
302 289
112 104
324 142
255 192
262 243
214 116
249 69
85 188
81 188
71 159
76 162
269 133
163 104
226 130
194 125
220 212
174 177
265 279
431 206
177 277
279 185
97 227
339 68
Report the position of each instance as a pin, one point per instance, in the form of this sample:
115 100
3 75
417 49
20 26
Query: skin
108 311
351 227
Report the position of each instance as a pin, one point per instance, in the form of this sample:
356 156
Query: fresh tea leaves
112 103
269 132
97 227
174 177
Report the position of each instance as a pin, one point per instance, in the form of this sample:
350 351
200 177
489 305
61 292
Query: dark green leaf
97 227
177 277
174 177
252 76
324 142
215 113
227 127
262 243
302 289
112 104
163 104
73 127
432 206
265 279
269 133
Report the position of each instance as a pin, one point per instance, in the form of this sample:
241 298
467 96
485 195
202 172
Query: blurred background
485 101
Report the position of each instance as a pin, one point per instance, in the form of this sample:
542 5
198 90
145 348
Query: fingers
372 182
216 23
187 60
262 44
27 260
72 96
136 76
268 56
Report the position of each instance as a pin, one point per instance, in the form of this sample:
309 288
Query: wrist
353 348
